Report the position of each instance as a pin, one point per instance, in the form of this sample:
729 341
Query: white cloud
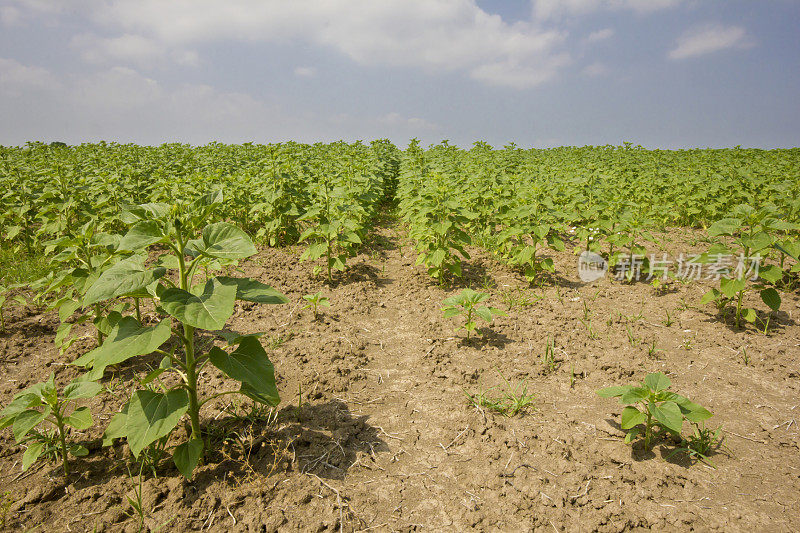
554 9
124 105
305 72
16 78
595 69
396 119
10 16
130 49
431 34
599 35
708 39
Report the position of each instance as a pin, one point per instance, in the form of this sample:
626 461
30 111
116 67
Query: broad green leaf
251 290
187 455
78 451
223 241
233 338
33 452
451 312
632 434
249 364
749 314
634 395
116 427
141 235
208 310
612 392
631 417
81 389
126 277
657 382
128 339
726 226
771 297
710 296
692 411
484 313
757 242
152 415
27 420
668 415
730 287
81 418
771 273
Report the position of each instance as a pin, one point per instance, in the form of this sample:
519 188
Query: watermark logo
591 266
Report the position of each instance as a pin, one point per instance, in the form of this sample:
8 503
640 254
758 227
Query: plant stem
63 440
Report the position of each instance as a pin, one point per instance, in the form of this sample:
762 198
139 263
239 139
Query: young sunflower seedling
42 403
467 303
316 301
651 405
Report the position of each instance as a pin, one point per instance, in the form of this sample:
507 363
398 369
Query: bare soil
375 432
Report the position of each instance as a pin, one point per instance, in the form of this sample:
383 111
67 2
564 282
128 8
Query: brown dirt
385 440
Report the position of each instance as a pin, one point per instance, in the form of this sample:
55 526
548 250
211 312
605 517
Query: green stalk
188 346
63 440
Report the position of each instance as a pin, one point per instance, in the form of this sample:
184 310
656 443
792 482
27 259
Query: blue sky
661 73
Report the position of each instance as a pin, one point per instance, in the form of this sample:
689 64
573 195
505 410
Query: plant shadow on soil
323 439
778 322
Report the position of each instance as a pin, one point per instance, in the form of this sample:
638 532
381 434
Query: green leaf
141 235
657 382
152 415
757 242
116 427
209 310
126 277
484 313
771 273
612 392
631 417
223 241
251 290
450 312
249 364
26 421
128 339
668 415
726 226
710 296
81 418
78 451
730 286
632 434
81 389
692 411
634 395
749 314
771 297
33 452
187 455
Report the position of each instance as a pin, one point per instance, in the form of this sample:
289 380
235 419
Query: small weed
652 350
514 399
631 337
701 444
668 320
687 344
6 501
745 357
549 363
589 328
517 297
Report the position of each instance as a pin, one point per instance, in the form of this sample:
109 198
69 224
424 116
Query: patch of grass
513 398
19 268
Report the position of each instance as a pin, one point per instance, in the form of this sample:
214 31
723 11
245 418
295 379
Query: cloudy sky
661 73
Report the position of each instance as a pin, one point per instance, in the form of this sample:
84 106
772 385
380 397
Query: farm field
119 272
